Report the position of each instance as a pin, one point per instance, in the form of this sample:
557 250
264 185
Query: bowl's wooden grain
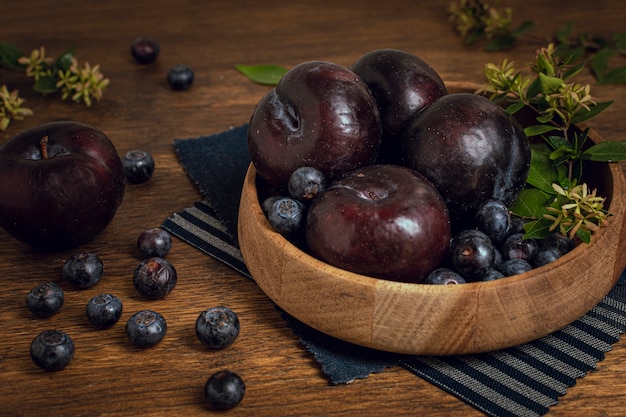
430 319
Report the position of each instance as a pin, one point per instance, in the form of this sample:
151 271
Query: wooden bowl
426 319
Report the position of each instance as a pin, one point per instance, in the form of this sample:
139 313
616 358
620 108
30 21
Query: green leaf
562 34
533 89
9 54
556 142
45 85
473 36
262 74
530 204
500 43
64 61
515 107
550 85
537 130
574 70
542 173
525 27
600 62
583 114
610 151
538 229
583 235
614 76
619 39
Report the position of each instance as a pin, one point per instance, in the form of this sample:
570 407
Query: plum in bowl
424 319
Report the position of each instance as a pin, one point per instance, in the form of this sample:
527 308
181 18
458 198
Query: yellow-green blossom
11 107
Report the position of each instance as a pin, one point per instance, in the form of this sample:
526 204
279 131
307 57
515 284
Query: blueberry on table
146 328
138 166
52 350
224 390
145 49
180 77
217 327
104 310
154 278
45 300
83 270
154 242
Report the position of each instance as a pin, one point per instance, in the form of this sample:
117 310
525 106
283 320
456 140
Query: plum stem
43 143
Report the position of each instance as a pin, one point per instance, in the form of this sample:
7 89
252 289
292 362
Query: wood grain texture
110 377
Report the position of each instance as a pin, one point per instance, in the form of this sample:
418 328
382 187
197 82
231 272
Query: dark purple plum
402 84
384 221
471 150
320 115
61 184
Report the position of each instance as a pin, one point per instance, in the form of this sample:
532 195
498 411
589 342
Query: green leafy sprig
556 196
476 20
79 83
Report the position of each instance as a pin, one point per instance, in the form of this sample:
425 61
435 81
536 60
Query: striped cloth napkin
523 380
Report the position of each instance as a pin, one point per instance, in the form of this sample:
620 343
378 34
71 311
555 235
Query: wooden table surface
110 377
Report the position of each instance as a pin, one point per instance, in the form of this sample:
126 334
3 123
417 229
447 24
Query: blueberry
138 166
180 77
52 350
146 328
472 254
563 244
517 225
493 219
154 278
545 256
517 247
444 276
266 205
145 49
286 215
492 274
45 300
103 310
305 183
83 270
515 266
224 390
217 327
154 242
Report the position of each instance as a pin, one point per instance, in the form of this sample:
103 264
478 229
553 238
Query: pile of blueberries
495 248
155 277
